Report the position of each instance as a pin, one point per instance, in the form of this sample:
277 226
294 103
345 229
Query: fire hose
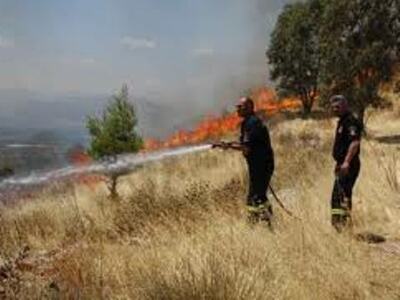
280 203
226 145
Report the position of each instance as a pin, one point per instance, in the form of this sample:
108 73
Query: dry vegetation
179 231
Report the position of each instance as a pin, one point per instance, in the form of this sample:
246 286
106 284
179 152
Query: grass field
179 230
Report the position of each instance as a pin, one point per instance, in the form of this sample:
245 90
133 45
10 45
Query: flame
213 127
210 128
78 157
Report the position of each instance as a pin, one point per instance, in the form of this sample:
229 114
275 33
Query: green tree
293 52
359 45
114 133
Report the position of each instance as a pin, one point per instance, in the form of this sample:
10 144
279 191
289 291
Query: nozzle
222 145
216 145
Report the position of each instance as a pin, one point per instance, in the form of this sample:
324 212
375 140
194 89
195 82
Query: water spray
123 164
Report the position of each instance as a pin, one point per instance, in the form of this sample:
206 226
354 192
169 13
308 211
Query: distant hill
23 109
37 130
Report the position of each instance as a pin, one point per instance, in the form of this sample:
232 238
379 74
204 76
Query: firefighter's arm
236 146
351 152
353 149
355 133
239 147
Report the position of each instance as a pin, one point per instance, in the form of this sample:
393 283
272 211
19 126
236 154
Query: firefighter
346 153
255 145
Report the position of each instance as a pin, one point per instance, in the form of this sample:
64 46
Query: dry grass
179 231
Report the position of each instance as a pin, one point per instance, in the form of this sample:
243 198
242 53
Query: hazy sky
162 48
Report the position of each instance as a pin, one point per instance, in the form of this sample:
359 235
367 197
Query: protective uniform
349 129
260 161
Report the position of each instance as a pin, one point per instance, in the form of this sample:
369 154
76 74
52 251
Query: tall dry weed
179 231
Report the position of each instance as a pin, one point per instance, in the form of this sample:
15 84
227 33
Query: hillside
25 112
179 231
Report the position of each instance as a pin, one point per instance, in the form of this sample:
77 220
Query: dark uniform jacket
255 135
349 129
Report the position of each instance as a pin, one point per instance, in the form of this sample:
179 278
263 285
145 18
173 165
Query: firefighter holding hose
255 144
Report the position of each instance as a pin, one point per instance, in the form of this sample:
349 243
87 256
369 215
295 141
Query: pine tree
114 133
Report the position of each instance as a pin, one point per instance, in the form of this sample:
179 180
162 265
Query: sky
190 52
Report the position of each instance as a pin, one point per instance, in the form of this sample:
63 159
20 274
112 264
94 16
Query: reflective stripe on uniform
253 208
339 212
258 208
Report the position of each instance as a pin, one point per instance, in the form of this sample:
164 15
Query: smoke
220 78
188 73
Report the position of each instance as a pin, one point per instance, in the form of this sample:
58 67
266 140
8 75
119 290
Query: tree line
324 47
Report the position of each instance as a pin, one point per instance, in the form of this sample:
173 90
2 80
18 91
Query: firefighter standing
346 152
256 147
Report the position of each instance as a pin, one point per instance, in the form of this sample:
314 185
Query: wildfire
78 157
213 127
209 129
